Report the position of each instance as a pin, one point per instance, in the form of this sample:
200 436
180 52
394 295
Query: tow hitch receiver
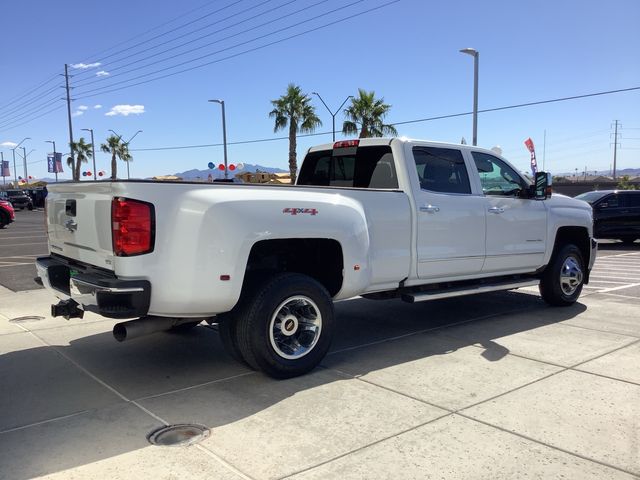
67 309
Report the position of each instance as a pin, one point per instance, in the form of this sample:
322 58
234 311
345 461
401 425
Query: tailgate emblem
71 225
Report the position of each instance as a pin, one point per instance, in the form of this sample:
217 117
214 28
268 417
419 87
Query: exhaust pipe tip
120 332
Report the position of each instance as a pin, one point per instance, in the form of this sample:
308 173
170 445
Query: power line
145 32
260 47
29 112
172 30
138 67
223 49
440 117
29 92
20 110
34 118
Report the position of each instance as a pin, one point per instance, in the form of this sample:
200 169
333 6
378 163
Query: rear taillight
133 227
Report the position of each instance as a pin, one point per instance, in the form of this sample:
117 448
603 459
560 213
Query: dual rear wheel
282 325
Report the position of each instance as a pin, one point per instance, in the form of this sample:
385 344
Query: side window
633 200
441 170
496 177
610 201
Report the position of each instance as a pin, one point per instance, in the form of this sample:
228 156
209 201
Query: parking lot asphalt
495 386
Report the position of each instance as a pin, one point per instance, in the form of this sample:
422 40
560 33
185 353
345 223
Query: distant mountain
215 173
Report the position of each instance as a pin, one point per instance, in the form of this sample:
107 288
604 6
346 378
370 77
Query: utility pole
615 148
4 181
73 161
24 159
544 150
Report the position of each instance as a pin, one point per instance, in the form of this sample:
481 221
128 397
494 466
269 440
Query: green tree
368 112
625 184
83 152
117 149
294 109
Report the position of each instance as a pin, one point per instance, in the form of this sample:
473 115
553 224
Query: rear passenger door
450 219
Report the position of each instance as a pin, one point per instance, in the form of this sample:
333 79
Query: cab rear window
364 167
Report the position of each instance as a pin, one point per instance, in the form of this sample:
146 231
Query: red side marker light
225 278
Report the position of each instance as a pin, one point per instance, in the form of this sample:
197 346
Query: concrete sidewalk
487 387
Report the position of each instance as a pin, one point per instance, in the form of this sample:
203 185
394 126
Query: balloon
100 174
232 167
211 165
19 178
89 173
84 174
240 166
221 166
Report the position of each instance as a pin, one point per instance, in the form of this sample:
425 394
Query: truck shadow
79 402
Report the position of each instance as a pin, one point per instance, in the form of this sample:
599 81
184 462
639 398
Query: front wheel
285 325
563 279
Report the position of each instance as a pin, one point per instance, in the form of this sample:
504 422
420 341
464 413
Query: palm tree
294 108
369 112
83 152
117 149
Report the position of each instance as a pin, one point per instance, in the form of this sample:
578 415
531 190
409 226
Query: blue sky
406 51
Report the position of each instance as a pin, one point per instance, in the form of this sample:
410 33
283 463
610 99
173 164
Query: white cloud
84 66
77 113
97 106
125 110
8 144
102 73
83 107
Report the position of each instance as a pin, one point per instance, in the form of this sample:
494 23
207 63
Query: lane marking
613 289
21 244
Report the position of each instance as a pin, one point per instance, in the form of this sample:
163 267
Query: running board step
459 292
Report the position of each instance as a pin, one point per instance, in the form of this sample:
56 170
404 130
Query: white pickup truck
380 218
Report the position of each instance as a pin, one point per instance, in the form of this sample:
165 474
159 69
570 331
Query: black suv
616 214
19 199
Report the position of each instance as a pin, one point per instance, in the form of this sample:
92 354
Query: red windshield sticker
300 211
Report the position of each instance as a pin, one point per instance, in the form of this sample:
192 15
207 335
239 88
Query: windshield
591 197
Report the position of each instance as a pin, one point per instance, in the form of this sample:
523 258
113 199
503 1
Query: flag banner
58 166
54 163
5 168
534 163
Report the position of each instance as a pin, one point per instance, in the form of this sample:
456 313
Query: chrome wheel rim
295 327
570 275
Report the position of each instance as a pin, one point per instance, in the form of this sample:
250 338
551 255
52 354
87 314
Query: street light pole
333 114
93 151
13 151
24 162
476 60
224 136
55 165
127 144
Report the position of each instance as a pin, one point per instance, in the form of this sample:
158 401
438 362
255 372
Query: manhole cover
178 435
29 318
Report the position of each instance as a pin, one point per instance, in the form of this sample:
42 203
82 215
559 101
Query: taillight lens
133 227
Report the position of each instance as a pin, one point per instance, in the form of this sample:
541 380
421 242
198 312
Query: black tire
4 219
184 327
267 347
227 328
566 258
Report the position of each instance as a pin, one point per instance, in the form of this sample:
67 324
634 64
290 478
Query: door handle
496 210
429 209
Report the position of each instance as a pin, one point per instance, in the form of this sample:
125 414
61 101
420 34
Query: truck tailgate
79 222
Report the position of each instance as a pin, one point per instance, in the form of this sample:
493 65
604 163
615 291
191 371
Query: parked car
6 213
616 214
19 199
378 217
